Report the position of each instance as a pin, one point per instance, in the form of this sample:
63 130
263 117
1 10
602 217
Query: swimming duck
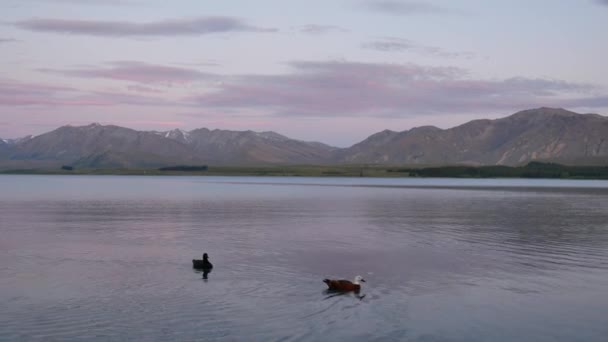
344 285
202 264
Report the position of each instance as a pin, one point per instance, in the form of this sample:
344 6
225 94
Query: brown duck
344 285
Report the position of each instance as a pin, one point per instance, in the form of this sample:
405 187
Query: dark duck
343 285
202 264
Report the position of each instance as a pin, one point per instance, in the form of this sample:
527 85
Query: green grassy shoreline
531 170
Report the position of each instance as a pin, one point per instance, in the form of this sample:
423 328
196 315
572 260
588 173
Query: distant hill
248 147
98 146
543 134
4 149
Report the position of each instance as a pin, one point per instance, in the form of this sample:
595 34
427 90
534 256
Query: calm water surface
108 258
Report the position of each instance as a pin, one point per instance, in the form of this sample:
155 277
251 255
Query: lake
109 258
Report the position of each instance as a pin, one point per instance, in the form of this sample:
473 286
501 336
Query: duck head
358 279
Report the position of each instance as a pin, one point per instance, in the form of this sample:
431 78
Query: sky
334 71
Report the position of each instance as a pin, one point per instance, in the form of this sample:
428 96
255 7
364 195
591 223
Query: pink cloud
151 122
318 89
346 88
143 89
17 93
137 72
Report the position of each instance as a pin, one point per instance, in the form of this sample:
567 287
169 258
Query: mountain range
542 134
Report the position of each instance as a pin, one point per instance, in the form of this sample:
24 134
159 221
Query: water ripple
446 262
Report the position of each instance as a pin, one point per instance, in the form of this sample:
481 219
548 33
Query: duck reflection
334 293
206 274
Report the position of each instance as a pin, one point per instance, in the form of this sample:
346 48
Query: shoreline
531 170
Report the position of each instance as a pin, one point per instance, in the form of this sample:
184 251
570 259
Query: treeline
185 168
531 170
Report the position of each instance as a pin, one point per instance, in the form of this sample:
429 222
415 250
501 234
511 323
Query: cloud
587 102
602 2
16 93
143 89
402 7
19 90
313 89
172 27
320 29
351 89
391 44
201 63
137 72
146 122
8 40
